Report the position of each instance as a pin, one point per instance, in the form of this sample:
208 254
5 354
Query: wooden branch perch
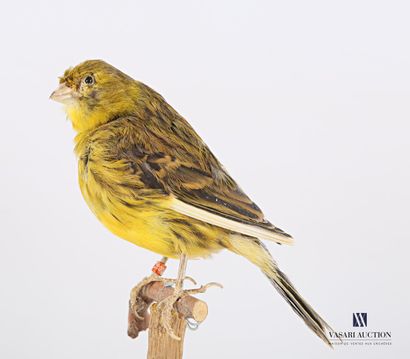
160 344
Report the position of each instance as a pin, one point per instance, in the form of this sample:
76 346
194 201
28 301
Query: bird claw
137 304
138 307
192 280
172 282
203 288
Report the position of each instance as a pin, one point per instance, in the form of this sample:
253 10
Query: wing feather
173 159
235 226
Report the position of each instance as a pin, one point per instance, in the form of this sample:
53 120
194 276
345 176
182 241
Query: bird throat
82 119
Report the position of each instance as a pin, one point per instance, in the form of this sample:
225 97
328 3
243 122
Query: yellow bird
150 179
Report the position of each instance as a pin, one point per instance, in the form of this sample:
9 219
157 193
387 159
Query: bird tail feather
256 252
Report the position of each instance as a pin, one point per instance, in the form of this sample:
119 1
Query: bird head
95 92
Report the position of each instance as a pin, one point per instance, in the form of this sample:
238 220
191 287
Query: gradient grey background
307 105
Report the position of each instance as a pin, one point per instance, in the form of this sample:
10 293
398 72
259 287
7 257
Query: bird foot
138 305
166 306
202 288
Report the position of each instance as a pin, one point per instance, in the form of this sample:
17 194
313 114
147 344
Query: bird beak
63 94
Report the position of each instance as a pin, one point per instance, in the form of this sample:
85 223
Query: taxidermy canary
150 179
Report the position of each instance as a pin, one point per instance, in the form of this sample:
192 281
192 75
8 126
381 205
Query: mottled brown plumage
151 180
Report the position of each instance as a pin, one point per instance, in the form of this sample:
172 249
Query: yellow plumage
150 179
131 210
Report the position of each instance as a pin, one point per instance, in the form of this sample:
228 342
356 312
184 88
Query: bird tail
256 252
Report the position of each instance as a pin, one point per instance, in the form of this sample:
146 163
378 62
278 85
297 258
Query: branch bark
160 344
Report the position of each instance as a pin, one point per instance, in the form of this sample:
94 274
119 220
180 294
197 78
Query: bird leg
166 306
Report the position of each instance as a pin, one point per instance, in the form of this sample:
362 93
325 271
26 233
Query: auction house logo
361 334
360 319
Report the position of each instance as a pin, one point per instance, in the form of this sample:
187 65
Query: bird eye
89 80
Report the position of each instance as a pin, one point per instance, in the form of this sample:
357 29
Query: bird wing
175 159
